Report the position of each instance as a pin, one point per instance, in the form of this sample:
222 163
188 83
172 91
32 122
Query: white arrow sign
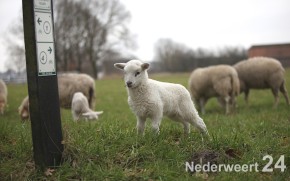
43 27
44 38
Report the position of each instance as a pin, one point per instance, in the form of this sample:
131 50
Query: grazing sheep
214 81
80 108
262 73
3 96
68 84
152 99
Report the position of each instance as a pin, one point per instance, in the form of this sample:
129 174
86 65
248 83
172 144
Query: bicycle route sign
45 48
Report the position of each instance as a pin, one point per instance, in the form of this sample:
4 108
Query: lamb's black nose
129 84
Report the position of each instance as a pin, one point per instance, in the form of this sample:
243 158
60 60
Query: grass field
109 149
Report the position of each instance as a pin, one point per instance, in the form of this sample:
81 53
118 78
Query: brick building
278 51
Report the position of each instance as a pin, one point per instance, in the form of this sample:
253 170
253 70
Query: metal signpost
42 82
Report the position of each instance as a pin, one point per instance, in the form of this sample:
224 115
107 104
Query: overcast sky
195 23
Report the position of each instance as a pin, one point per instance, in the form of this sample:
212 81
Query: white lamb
152 99
3 96
80 108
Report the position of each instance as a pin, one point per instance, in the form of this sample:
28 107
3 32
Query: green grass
109 149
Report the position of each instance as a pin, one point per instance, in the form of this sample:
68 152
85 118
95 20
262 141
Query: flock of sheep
76 92
226 82
153 99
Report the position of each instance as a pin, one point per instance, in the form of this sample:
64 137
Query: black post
42 82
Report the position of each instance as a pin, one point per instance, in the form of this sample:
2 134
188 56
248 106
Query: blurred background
175 36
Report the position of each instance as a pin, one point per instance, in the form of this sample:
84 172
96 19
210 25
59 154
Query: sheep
262 73
80 108
152 99
68 84
214 81
3 96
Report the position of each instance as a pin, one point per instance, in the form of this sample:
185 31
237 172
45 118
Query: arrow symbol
50 50
39 21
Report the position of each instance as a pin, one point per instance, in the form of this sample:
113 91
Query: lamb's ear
120 65
87 114
99 112
145 66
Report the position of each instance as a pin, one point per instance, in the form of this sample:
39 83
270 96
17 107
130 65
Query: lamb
68 84
262 73
3 96
80 108
152 99
214 81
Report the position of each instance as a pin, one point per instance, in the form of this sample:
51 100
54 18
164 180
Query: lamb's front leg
140 124
156 121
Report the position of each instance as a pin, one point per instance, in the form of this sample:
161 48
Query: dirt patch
207 158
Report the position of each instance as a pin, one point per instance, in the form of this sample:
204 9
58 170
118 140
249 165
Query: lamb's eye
137 73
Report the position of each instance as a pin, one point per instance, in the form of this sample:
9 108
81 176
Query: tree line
90 36
171 56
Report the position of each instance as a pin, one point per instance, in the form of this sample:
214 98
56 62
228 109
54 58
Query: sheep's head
135 72
24 112
23 109
92 115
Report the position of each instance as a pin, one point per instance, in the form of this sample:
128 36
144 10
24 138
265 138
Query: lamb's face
135 72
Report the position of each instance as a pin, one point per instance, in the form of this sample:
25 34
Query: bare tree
85 31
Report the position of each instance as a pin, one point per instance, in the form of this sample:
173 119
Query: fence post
42 82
